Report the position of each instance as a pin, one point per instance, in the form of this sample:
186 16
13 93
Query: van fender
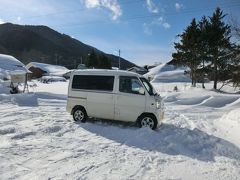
78 107
145 114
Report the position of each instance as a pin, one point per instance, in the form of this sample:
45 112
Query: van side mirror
141 91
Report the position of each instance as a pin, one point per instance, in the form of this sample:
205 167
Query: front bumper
160 116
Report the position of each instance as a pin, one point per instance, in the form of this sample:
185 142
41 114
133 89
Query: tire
148 121
79 114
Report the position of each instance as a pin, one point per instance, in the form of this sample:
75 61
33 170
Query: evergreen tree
219 44
104 62
92 60
203 47
208 42
188 50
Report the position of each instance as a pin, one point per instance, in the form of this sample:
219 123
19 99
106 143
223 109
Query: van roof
105 72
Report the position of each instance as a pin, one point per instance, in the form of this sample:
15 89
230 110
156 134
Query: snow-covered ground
200 138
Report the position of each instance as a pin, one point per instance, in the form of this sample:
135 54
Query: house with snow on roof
41 69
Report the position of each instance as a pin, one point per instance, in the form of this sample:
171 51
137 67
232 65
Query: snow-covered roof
159 69
167 73
52 77
137 68
9 63
171 76
81 66
48 68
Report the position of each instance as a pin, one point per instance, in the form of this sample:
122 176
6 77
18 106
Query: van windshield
147 85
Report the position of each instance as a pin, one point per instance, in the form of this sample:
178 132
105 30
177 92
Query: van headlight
158 104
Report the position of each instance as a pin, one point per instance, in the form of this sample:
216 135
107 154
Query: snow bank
205 98
220 101
230 124
4 87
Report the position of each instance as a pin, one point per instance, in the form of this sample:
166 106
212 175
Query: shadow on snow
169 139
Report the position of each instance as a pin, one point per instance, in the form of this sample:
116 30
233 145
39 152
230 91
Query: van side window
129 84
92 82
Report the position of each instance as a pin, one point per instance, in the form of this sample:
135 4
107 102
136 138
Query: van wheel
79 114
148 121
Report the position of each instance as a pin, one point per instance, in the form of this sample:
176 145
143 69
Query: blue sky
144 30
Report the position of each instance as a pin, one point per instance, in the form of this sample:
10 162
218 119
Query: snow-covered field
200 138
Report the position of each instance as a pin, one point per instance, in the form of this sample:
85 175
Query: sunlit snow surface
200 138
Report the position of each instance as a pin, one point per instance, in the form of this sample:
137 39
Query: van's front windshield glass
147 85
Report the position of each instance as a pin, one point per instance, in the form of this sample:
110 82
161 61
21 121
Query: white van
114 95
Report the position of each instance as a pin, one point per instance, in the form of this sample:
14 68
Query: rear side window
88 82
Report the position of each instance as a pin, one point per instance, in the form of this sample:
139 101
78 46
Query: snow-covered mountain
167 73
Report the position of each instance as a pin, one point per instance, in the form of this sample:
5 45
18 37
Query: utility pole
119 61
